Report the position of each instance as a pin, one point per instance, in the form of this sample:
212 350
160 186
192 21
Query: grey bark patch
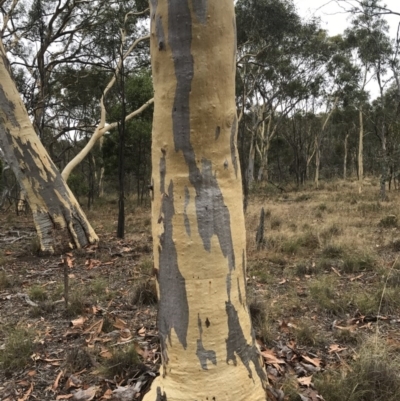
185 217
200 9
236 344
8 108
212 214
233 145
153 7
163 171
174 309
217 132
226 164
160 33
203 354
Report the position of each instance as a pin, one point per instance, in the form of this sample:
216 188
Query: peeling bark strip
60 222
236 344
173 311
200 9
212 214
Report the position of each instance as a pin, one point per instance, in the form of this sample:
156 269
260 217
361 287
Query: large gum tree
59 220
208 348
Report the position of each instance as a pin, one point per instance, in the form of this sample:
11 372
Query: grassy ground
328 279
324 293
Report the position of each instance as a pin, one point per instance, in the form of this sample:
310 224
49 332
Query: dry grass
373 376
331 255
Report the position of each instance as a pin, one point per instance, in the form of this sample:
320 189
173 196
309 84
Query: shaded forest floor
324 293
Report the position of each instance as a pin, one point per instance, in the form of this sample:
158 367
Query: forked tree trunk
208 350
60 222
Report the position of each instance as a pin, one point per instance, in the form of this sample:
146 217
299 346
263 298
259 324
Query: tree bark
208 349
360 151
346 150
59 220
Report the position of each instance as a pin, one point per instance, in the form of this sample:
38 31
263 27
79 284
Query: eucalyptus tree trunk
208 349
360 151
318 140
60 222
346 151
384 166
360 159
252 156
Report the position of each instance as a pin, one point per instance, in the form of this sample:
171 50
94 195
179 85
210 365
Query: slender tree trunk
317 161
360 151
346 150
360 161
384 166
208 350
252 156
59 220
121 157
318 140
101 182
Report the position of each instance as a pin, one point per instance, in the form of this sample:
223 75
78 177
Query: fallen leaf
95 327
92 263
347 328
55 384
271 358
85 395
64 396
27 394
305 381
105 353
283 326
357 277
73 381
119 323
78 322
315 361
335 348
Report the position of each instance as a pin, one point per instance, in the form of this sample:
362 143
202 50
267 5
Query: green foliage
78 184
138 134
